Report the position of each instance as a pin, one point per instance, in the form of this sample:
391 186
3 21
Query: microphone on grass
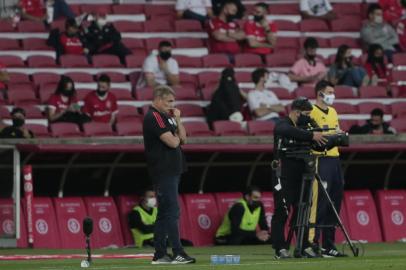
87 230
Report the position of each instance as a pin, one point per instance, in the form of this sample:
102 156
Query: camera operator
329 169
287 184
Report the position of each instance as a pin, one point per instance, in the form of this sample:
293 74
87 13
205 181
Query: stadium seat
115 77
260 128
19 77
7 220
127 112
305 91
145 93
95 8
125 203
12 61
134 43
267 200
80 77
342 91
33 112
198 129
40 131
398 109
362 216
399 59
158 10
189 43
70 212
208 78
247 60
9 44
287 43
285 8
188 26
82 93
186 93
184 227
282 93
373 92
6 26
129 128
129 26
97 129
41 61
345 108
399 124
282 59
391 206
208 92
31 27
152 43
225 200
187 61
4 112
347 124
345 9
37 44
158 26
45 228
45 77
353 43
285 25
346 24
190 110
73 61
135 60
65 130
367 107
107 230
128 9
20 97
188 80
106 61
17 87
228 128
313 25
204 218
215 60
243 76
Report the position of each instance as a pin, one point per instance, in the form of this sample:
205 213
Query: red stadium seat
45 228
285 25
128 9
186 93
4 112
267 200
354 43
184 227
92 8
80 77
204 218
367 107
188 80
208 78
129 26
144 93
40 131
19 77
115 77
31 26
285 9
372 92
127 112
134 43
125 203
248 60
82 93
190 110
65 130
228 128
399 125
129 128
97 129
243 76
188 26
7 221
45 77
17 87
158 26
39 61
189 43
9 44
73 61
313 25
391 206
187 61
305 91
70 213
260 128
346 24
342 91
158 10
32 112
399 59
287 43
362 216
282 93
22 97
198 129
215 60
347 124
11 61
347 9
37 44
398 109
6 26
107 230
225 200
208 92
106 61
282 59
345 108
135 60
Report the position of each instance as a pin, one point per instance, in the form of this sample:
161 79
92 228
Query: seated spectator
401 28
376 31
392 11
142 219
224 33
63 105
344 72
161 69
199 10
101 105
376 66
103 38
261 34
375 125
4 78
317 9
263 103
18 129
227 99
240 224
309 69
39 10
218 5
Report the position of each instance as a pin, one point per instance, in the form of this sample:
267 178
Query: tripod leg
88 250
354 249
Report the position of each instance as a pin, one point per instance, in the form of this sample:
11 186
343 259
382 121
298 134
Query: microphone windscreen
87 226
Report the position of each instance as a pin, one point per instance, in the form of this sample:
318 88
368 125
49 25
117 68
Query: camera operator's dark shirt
286 129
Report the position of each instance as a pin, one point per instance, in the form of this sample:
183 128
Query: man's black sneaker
183 258
166 259
332 253
282 254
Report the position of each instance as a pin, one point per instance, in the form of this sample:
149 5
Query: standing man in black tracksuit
288 183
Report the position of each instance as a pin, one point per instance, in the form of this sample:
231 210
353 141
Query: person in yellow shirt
329 169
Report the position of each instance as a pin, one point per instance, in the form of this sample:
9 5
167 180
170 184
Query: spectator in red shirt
224 33
376 67
261 34
63 105
392 10
101 105
36 10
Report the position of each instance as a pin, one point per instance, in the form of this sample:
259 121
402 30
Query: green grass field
376 257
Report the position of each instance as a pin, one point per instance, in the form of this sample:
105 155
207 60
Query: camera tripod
302 222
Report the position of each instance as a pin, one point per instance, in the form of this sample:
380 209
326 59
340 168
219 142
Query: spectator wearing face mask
104 38
375 66
142 219
161 69
375 125
376 31
18 129
63 105
101 105
261 34
239 226
317 9
309 69
344 72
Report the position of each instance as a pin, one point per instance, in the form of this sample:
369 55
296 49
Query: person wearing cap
17 130
287 180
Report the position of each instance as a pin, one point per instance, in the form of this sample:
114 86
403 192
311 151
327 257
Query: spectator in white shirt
317 9
160 69
199 10
264 104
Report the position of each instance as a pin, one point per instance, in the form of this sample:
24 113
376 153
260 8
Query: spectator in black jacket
104 38
375 125
17 130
